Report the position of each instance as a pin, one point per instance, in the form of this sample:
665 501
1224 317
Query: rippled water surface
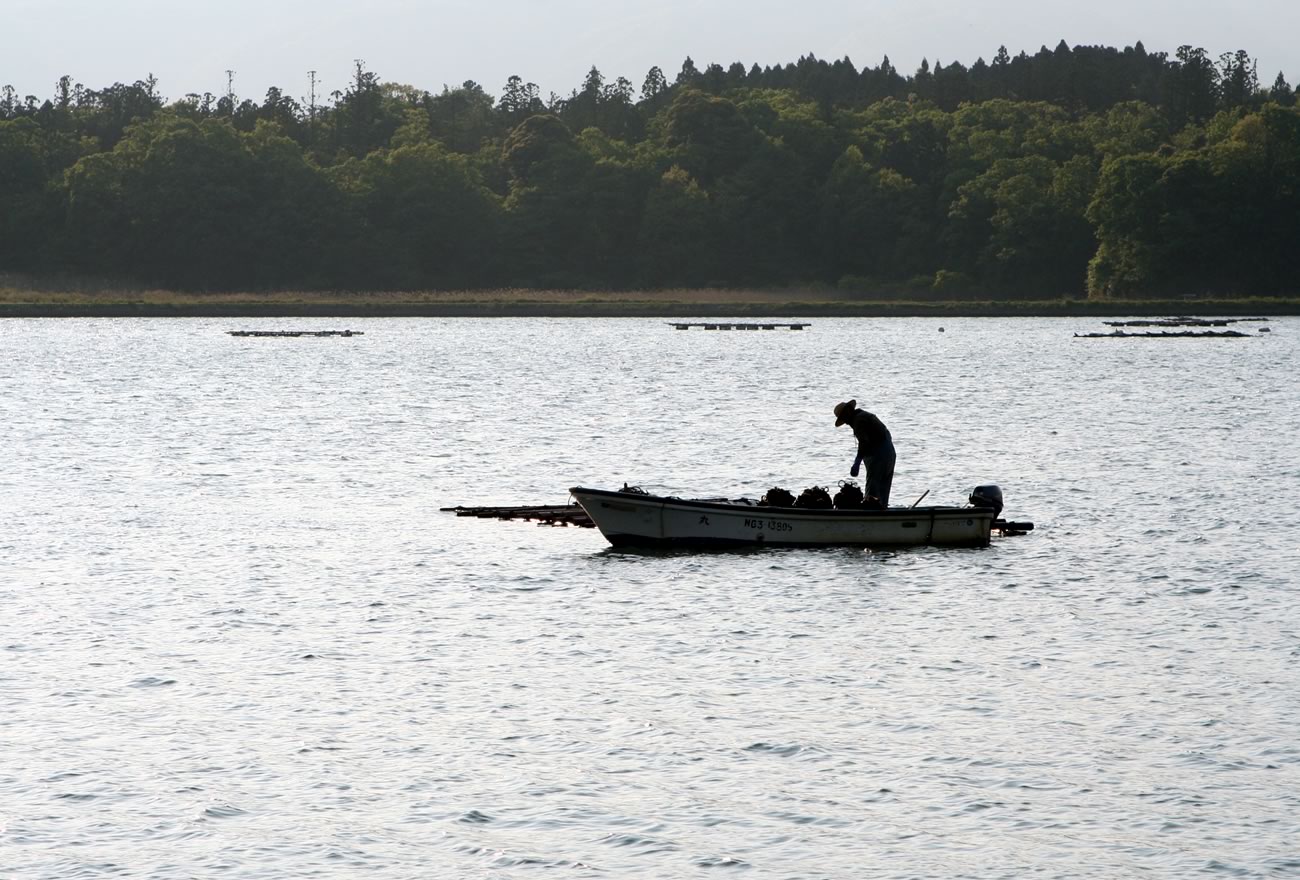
239 638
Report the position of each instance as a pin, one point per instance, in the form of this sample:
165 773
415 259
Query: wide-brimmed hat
844 410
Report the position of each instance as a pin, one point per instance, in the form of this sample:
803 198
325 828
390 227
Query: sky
189 46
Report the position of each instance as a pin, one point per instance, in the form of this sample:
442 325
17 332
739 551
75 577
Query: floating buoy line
1166 334
292 333
1175 328
732 325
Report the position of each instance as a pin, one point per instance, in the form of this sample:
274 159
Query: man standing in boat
875 450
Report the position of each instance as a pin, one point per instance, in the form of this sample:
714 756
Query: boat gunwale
739 508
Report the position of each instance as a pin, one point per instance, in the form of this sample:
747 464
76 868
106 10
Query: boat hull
633 519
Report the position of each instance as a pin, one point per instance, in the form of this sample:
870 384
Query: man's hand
853 471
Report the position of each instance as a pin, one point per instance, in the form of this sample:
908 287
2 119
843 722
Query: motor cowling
987 496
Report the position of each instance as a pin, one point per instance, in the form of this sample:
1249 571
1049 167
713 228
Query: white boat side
627 518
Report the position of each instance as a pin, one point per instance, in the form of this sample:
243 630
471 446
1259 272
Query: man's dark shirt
870 431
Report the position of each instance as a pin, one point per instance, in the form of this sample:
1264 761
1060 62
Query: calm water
239 638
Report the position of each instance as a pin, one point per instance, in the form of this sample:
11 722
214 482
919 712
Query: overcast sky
188 46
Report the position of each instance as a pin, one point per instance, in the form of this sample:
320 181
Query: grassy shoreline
82 301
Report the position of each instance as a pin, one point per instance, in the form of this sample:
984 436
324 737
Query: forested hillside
1076 170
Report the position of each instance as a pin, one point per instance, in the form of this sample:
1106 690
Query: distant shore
79 301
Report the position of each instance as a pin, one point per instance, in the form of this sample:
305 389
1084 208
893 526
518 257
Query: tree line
1073 171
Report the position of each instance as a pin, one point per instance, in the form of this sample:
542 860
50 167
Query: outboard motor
987 496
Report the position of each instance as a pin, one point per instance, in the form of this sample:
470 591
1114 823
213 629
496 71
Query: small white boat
633 518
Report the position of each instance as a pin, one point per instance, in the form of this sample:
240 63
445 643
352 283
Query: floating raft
1184 322
734 326
544 515
295 333
1166 334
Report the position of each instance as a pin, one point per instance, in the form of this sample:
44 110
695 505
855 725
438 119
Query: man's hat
844 410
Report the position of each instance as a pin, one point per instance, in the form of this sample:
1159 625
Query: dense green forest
1070 171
